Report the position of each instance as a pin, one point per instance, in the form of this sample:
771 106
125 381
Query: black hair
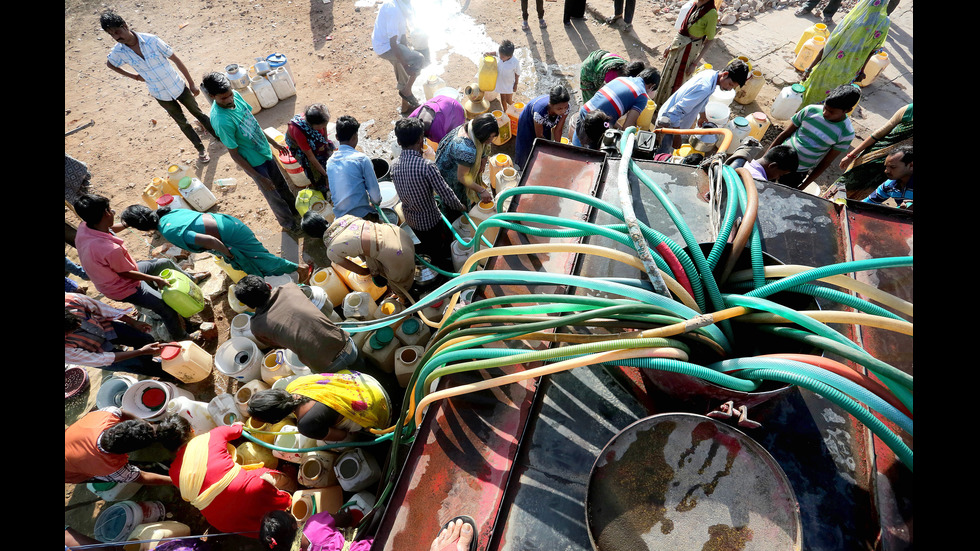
317 114
506 48
128 436
738 71
347 127
843 97
594 125
72 322
143 217
314 224
785 157
558 94
111 20
693 159
484 127
278 530
215 83
91 208
634 68
273 405
409 131
173 431
650 76
252 291
906 151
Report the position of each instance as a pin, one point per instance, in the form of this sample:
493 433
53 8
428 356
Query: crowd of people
338 399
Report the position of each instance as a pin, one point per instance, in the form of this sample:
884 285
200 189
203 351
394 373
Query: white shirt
391 22
162 78
507 72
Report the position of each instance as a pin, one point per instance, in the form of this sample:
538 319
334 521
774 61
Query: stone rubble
738 10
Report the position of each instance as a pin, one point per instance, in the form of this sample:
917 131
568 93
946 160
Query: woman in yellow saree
327 406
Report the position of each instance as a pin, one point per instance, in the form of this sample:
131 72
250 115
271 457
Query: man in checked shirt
417 181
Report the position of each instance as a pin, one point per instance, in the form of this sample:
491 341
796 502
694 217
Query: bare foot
459 532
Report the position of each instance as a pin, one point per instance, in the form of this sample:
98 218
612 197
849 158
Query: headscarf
195 467
694 15
313 137
482 150
348 393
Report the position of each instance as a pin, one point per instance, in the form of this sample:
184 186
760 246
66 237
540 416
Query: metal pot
685 481
261 66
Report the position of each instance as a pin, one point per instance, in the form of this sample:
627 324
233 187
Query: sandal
612 20
525 26
410 99
466 520
203 157
542 24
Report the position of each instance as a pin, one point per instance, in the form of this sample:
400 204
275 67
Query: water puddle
451 32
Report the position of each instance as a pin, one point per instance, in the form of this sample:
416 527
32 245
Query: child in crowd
508 73
818 134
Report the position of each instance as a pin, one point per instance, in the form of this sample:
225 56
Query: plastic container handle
280 357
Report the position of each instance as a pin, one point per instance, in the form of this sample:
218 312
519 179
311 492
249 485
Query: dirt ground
328 44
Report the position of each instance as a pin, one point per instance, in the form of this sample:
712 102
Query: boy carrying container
508 73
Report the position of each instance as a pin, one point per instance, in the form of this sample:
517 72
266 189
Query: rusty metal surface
463 455
576 414
875 232
825 453
685 481
851 491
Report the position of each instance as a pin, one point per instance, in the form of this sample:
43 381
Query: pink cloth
103 256
321 530
448 115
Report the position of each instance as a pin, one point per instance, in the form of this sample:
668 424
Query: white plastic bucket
112 389
722 96
717 113
148 399
239 358
389 196
117 521
295 364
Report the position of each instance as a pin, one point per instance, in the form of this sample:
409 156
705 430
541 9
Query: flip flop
203 157
466 519
411 100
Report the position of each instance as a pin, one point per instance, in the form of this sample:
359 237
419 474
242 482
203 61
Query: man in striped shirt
621 96
92 329
150 57
898 170
417 181
818 134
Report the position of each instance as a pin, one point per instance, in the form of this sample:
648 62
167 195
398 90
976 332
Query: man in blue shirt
353 185
685 107
898 170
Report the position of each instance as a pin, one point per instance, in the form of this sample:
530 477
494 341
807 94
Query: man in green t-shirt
249 147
